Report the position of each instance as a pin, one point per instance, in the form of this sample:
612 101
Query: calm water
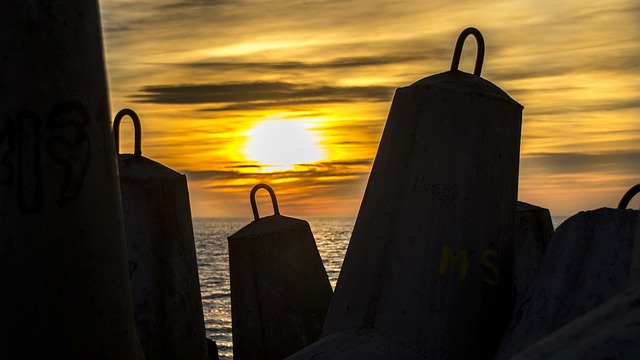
331 235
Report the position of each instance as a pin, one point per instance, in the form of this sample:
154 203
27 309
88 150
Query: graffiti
7 144
132 268
67 142
29 179
70 146
487 257
7 172
441 192
461 257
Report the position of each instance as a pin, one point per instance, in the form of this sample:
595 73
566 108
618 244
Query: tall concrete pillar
63 265
163 268
429 266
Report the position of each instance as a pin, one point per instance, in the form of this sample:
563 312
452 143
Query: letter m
448 256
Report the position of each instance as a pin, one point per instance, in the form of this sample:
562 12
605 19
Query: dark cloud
588 107
340 63
260 94
190 4
336 170
577 163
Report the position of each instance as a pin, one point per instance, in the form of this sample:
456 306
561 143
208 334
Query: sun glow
280 144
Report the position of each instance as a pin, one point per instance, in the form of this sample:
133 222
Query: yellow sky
205 75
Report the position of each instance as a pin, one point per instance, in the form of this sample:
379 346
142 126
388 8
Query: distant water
332 237
557 220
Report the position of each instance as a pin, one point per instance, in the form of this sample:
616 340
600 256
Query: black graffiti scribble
29 174
7 143
132 267
70 145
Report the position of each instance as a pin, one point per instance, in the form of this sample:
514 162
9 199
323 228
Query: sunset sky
296 93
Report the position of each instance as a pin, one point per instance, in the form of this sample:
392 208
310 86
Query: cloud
578 163
249 95
339 63
326 170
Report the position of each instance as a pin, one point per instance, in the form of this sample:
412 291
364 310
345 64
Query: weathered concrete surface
359 344
163 267
535 230
430 259
634 271
280 291
63 265
610 331
587 263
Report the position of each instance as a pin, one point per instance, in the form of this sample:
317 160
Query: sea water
331 235
332 238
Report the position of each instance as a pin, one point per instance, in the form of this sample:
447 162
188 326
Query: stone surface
280 291
359 344
430 261
63 265
610 331
535 230
163 267
587 263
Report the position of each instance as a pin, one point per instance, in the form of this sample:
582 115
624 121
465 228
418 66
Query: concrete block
163 267
535 230
280 291
431 256
587 262
609 331
63 263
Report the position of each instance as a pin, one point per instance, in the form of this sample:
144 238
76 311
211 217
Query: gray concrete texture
280 291
535 230
430 261
587 262
163 267
63 265
634 271
610 331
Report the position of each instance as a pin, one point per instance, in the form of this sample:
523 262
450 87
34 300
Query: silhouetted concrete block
63 264
359 344
535 230
280 291
430 263
587 263
163 267
610 331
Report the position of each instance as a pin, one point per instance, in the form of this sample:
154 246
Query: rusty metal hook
626 198
136 126
479 53
252 197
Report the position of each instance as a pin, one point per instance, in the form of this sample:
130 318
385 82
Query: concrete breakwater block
64 287
610 331
163 268
587 262
430 260
534 233
280 291
359 344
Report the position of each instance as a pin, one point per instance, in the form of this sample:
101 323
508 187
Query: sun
281 144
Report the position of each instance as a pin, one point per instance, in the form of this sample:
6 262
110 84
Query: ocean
332 238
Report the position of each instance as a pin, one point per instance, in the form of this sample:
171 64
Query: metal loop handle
626 198
252 197
479 54
137 150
